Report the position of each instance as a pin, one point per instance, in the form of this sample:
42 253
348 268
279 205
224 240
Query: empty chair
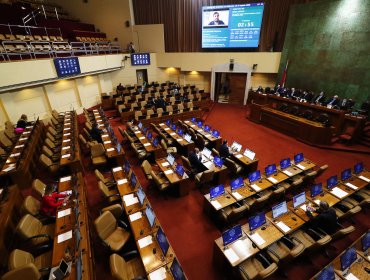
258 202
180 107
30 229
98 154
116 209
285 250
138 114
38 188
10 134
169 109
147 168
113 236
19 258
256 267
108 181
160 181
159 112
52 146
168 149
48 164
86 144
149 113
187 165
141 153
5 141
28 271
54 157
126 270
321 170
311 239
232 166
190 106
31 206
215 152
9 125
233 213
343 213
110 195
204 178
347 135
307 114
323 119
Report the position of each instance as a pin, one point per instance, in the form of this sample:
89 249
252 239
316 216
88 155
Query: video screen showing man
216 18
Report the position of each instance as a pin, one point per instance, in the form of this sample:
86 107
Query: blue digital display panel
232 26
365 241
256 221
180 170
162 241
359 167
217 191
316 190
298 158
140 59
237 183
270 169
67 66
327 273
176 270
218 161
254 176
346 174
348 258
231 235
215 133
207 128
332 181
285 163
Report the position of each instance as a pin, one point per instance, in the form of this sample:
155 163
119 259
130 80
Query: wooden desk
306 164
364 175
291 171
185 146
327 197
123 185
216 141
140 225
148 146
277 178
340 191
242 192
174 117
355 183
289 219
234 253
217 203
221 174
182 184
248 164
268 232
357 268
300 211
261 184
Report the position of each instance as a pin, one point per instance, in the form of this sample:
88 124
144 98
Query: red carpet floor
190 231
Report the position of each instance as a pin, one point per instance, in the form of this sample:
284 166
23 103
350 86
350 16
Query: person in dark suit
296 94
346 104
326 218
224 150
307 96
334 101
216 20
319 99
160 103
119 88
22 122
96 133
195 158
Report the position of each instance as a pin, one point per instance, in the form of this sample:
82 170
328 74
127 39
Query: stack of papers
65 179
135 216
63 213
107 142
66 156
122 181
143 242
164 164
272 180
364 178
338 192
66 147
147 144
238 156
167 172
301 166
130 199
288 172
110 149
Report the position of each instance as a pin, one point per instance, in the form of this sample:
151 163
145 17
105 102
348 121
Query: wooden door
237 87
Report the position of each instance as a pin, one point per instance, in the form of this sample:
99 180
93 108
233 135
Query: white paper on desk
67 128
161 124
66 156
351 186
122 181
272 180
67 134
192 125
116 169
283 227
208 164
207 135
143 242
19 146
350 276
99 120
237 195
15 155
338 192
105 135
257 239
64 212
67 140
65 179
167 128
67 123
135 216
301 166
199 130
231 255
180 139
26 132
30 126
172 133
167 172
11 167
239 156
364 178
303 207
23 139
64 236
164 164
317 201
255 187
142 137
158 274
66 147
147 144
216 204
130 199
110 149
137 132
107 142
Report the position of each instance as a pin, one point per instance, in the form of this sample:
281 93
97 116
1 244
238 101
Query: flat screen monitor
256 221
332 181
215 133
358 168
206 152
140 59
119 148
207 128
180 132
270 169
299 199
285 163
67 66
141 195
187 138
140 125
365 241
193 120
170 158
145 129
176 270
127 167
254 176
236 183
232 234
232 26
173 127
316 189
236 147
200 124
133 180
348 258
216 191
346 174
298 158
327 273
156 142
162 241
150 215
249 154
218 161
279 209
149 136
180 170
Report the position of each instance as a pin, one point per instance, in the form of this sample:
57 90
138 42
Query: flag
283 79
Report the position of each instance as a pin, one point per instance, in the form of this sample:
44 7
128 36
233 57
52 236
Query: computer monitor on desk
156 142
218 161
149 213
235 146
215 133
162 241
127 167
206 152
237 183
285 163
149 136
298 158
140 125
254 176
200 124
180 170
216 191
170 158
270 169
193 120
176 270
327 273
299 199
168 122
180 132
207 128
133 180
316 189
232 234
249 154
346 174
187 138
173 127
332 182
358 168
365 241
347 259
256 221
279 209
141 195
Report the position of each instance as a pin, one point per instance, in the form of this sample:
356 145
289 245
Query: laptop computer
60 271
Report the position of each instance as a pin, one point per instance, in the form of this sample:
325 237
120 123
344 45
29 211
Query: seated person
96 133
326 218
319 99
224 150
50 201
334 101
195 159
22 122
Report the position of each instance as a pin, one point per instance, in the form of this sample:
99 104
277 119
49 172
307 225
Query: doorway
230 87
141 76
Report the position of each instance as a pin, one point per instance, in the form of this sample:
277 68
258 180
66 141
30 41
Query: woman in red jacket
51 201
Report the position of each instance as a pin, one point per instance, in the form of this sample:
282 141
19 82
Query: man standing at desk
326 218
195 159
224 150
